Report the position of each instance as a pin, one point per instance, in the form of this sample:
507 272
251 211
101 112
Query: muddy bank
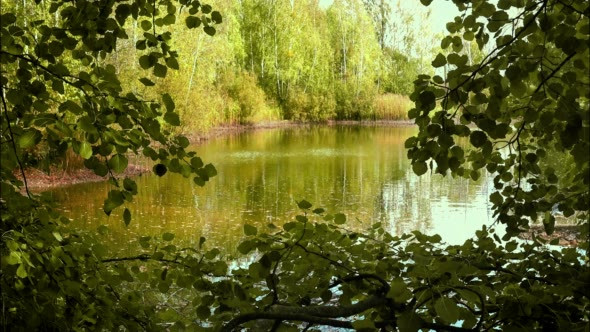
39 181
568 235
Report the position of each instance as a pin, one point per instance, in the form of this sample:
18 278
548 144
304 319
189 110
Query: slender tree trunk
383 25
190 82
344 53
315 54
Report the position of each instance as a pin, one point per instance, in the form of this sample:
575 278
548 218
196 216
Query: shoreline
240 128
38 181
568 235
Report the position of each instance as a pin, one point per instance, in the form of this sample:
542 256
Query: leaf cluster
526 101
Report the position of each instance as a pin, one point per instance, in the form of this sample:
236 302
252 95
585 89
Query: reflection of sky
425 203
452 220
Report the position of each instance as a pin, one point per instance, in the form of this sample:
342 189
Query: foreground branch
313 314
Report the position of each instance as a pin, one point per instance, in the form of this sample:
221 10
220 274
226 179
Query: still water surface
361 171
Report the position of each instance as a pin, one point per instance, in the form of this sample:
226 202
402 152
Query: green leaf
549 224
85 150
206 9
182 141
428 98
198 181
21 272
303 204
339 218
85 123
130 185
146 81
250 230
203 312
245 247
160 169
478 138
172 118
13 258
419 168
209 30
110 204
146 62
171 62
447 310
160 70
408 321
399 291
210 170
168 102
127 216
496 198
57 236
167 236
118 163
146 25
169 19
439 61
29 138
196 162
363 325
216 17
192 22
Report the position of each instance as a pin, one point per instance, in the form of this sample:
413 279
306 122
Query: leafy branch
14 149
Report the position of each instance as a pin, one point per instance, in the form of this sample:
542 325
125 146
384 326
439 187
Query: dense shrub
247 97
306 106
353 103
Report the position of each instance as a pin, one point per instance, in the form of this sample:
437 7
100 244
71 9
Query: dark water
360 171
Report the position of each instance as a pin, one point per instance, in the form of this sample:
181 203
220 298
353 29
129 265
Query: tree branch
244 318
143 258
321 315
20 165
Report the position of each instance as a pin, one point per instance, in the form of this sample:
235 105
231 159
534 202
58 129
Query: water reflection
361 171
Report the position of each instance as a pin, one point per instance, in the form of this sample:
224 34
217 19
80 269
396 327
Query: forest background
283 60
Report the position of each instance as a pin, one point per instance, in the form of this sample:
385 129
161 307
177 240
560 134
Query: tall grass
391 106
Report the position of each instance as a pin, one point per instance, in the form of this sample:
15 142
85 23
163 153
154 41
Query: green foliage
309 106
60 92
524 102
246 97
316 272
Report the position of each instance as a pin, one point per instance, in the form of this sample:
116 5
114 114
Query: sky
442 11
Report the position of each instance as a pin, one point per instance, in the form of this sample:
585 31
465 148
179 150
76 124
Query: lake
361 171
